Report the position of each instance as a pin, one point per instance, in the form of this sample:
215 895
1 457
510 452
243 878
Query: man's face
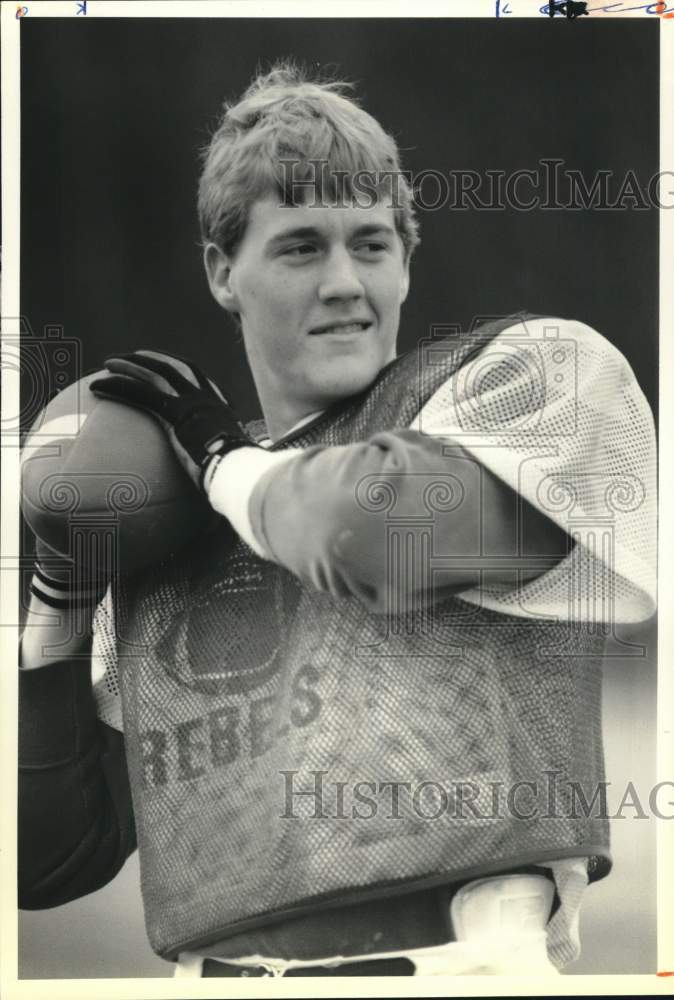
318 290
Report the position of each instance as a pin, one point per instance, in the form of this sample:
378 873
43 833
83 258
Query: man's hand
197 417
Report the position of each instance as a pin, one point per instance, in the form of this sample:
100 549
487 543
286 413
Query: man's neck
273 438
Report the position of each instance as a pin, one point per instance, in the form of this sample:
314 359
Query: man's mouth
353 326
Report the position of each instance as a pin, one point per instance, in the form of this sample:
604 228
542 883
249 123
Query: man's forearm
311 514
53 634
75 816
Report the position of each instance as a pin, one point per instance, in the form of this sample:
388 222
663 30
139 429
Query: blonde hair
286 119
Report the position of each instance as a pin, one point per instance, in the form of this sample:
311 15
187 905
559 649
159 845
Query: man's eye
373 247
300 250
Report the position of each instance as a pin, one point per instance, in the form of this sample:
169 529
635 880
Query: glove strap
216 450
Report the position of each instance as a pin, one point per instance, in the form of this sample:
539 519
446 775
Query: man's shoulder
450 349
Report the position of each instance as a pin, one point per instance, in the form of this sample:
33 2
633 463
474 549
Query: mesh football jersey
232 672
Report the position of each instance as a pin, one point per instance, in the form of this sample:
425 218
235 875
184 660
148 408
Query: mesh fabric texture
554 410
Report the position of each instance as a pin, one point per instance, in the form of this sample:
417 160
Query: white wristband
230 481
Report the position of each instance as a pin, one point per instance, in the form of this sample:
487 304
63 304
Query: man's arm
76 824
310 513
549 441
556 485
307 511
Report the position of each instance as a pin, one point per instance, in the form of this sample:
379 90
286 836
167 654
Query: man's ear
219 273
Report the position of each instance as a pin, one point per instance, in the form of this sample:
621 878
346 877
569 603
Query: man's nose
340 279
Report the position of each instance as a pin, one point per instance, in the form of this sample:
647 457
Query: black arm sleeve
76 826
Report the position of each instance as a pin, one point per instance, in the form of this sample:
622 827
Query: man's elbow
51 876
55 889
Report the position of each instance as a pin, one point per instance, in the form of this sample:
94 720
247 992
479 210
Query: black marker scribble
568 8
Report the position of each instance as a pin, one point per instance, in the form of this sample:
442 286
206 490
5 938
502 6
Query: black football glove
198 419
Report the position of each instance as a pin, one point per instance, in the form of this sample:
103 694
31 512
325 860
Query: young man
361 714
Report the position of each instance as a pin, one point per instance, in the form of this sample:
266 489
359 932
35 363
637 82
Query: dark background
114 113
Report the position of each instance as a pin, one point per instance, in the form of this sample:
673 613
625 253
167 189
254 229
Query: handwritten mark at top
502 9
660 8
569 8
657 7
81 8
21 12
